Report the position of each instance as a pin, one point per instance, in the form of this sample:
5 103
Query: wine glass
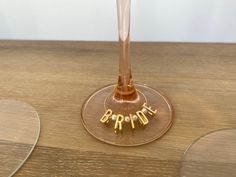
19 133
211 155
126 113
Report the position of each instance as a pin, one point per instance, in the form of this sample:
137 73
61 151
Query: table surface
56 77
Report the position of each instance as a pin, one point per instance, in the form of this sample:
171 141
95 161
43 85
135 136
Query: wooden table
56 77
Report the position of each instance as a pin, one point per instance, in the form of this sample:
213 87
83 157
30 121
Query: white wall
152 20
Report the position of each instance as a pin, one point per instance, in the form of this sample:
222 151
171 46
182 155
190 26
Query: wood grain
56 77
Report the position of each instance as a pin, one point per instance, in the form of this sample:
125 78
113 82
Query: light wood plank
56 77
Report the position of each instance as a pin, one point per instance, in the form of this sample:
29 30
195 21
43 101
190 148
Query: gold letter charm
132 121
119 121
105 118
142 118
149 109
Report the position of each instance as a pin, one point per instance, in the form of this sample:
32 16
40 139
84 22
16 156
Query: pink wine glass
126 113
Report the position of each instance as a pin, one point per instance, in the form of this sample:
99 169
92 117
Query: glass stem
125 89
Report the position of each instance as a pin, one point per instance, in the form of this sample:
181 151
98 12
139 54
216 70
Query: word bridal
120 119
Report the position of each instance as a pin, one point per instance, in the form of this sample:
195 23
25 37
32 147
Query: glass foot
212 155
19 133
130 123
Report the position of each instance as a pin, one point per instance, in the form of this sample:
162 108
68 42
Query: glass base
212 155
96 106
19 133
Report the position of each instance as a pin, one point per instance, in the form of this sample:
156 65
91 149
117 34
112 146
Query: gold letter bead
119 121
142 118
105 118
149 109
132 121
